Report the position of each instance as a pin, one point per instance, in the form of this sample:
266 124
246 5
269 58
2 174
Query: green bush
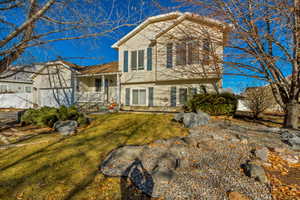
213 104
47 116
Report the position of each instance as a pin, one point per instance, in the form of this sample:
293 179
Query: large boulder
65 127
120 160
150 167
255 171
292 139
191 119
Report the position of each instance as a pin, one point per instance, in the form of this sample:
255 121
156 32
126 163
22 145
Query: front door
98 84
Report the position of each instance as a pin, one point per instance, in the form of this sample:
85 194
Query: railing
91 97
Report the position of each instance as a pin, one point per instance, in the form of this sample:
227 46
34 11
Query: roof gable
179 17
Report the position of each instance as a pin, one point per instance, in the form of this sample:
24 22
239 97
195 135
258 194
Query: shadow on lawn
141 177
81 146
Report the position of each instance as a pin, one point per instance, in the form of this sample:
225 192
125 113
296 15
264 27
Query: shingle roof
103 68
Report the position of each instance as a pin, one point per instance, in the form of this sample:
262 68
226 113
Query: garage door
56 97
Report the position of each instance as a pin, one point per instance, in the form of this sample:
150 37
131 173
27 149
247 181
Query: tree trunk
292 115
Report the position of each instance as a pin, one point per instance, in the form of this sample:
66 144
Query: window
187 52
193 53
182 95
141 59
137 60
133 60
139 96
181 54
3 88
169 55
28 89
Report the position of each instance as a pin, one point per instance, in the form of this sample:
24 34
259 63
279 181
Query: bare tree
33 23
258 100
264 44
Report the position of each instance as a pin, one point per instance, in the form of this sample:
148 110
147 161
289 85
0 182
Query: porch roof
107 68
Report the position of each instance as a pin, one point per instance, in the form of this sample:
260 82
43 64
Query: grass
68 168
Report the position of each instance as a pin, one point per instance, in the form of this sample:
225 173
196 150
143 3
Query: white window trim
131 94
187 53
137 60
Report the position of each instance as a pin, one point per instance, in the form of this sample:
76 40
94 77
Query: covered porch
99 85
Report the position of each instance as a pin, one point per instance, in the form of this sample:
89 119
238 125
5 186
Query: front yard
56 167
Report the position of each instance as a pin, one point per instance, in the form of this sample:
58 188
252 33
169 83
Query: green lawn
68 168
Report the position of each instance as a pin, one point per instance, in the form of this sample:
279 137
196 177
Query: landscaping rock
292 139
191 120
262 153
120 160
237 196
218 137
291 159
65 127
255 171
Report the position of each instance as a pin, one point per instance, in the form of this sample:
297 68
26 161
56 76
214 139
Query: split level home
168 58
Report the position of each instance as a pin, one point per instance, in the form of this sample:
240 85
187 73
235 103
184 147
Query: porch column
74 88
118 91
103 83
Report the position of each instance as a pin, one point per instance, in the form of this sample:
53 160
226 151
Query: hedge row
213 104
47 116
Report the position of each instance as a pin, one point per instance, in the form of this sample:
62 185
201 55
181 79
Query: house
63 83
168 58
16 80
54 84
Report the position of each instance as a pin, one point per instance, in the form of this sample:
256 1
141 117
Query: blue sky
98 50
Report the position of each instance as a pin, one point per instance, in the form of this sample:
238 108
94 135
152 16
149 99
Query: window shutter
127 97
150 96
169 55
206 50
134 60
149 59
125 64
173 96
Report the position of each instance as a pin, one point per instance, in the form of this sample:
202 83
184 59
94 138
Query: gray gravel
204 165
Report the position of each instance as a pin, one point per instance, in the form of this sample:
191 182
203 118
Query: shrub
214 104
47 116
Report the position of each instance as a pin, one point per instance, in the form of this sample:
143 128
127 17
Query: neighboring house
14 81
54 84
63 83
165 59
267 94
